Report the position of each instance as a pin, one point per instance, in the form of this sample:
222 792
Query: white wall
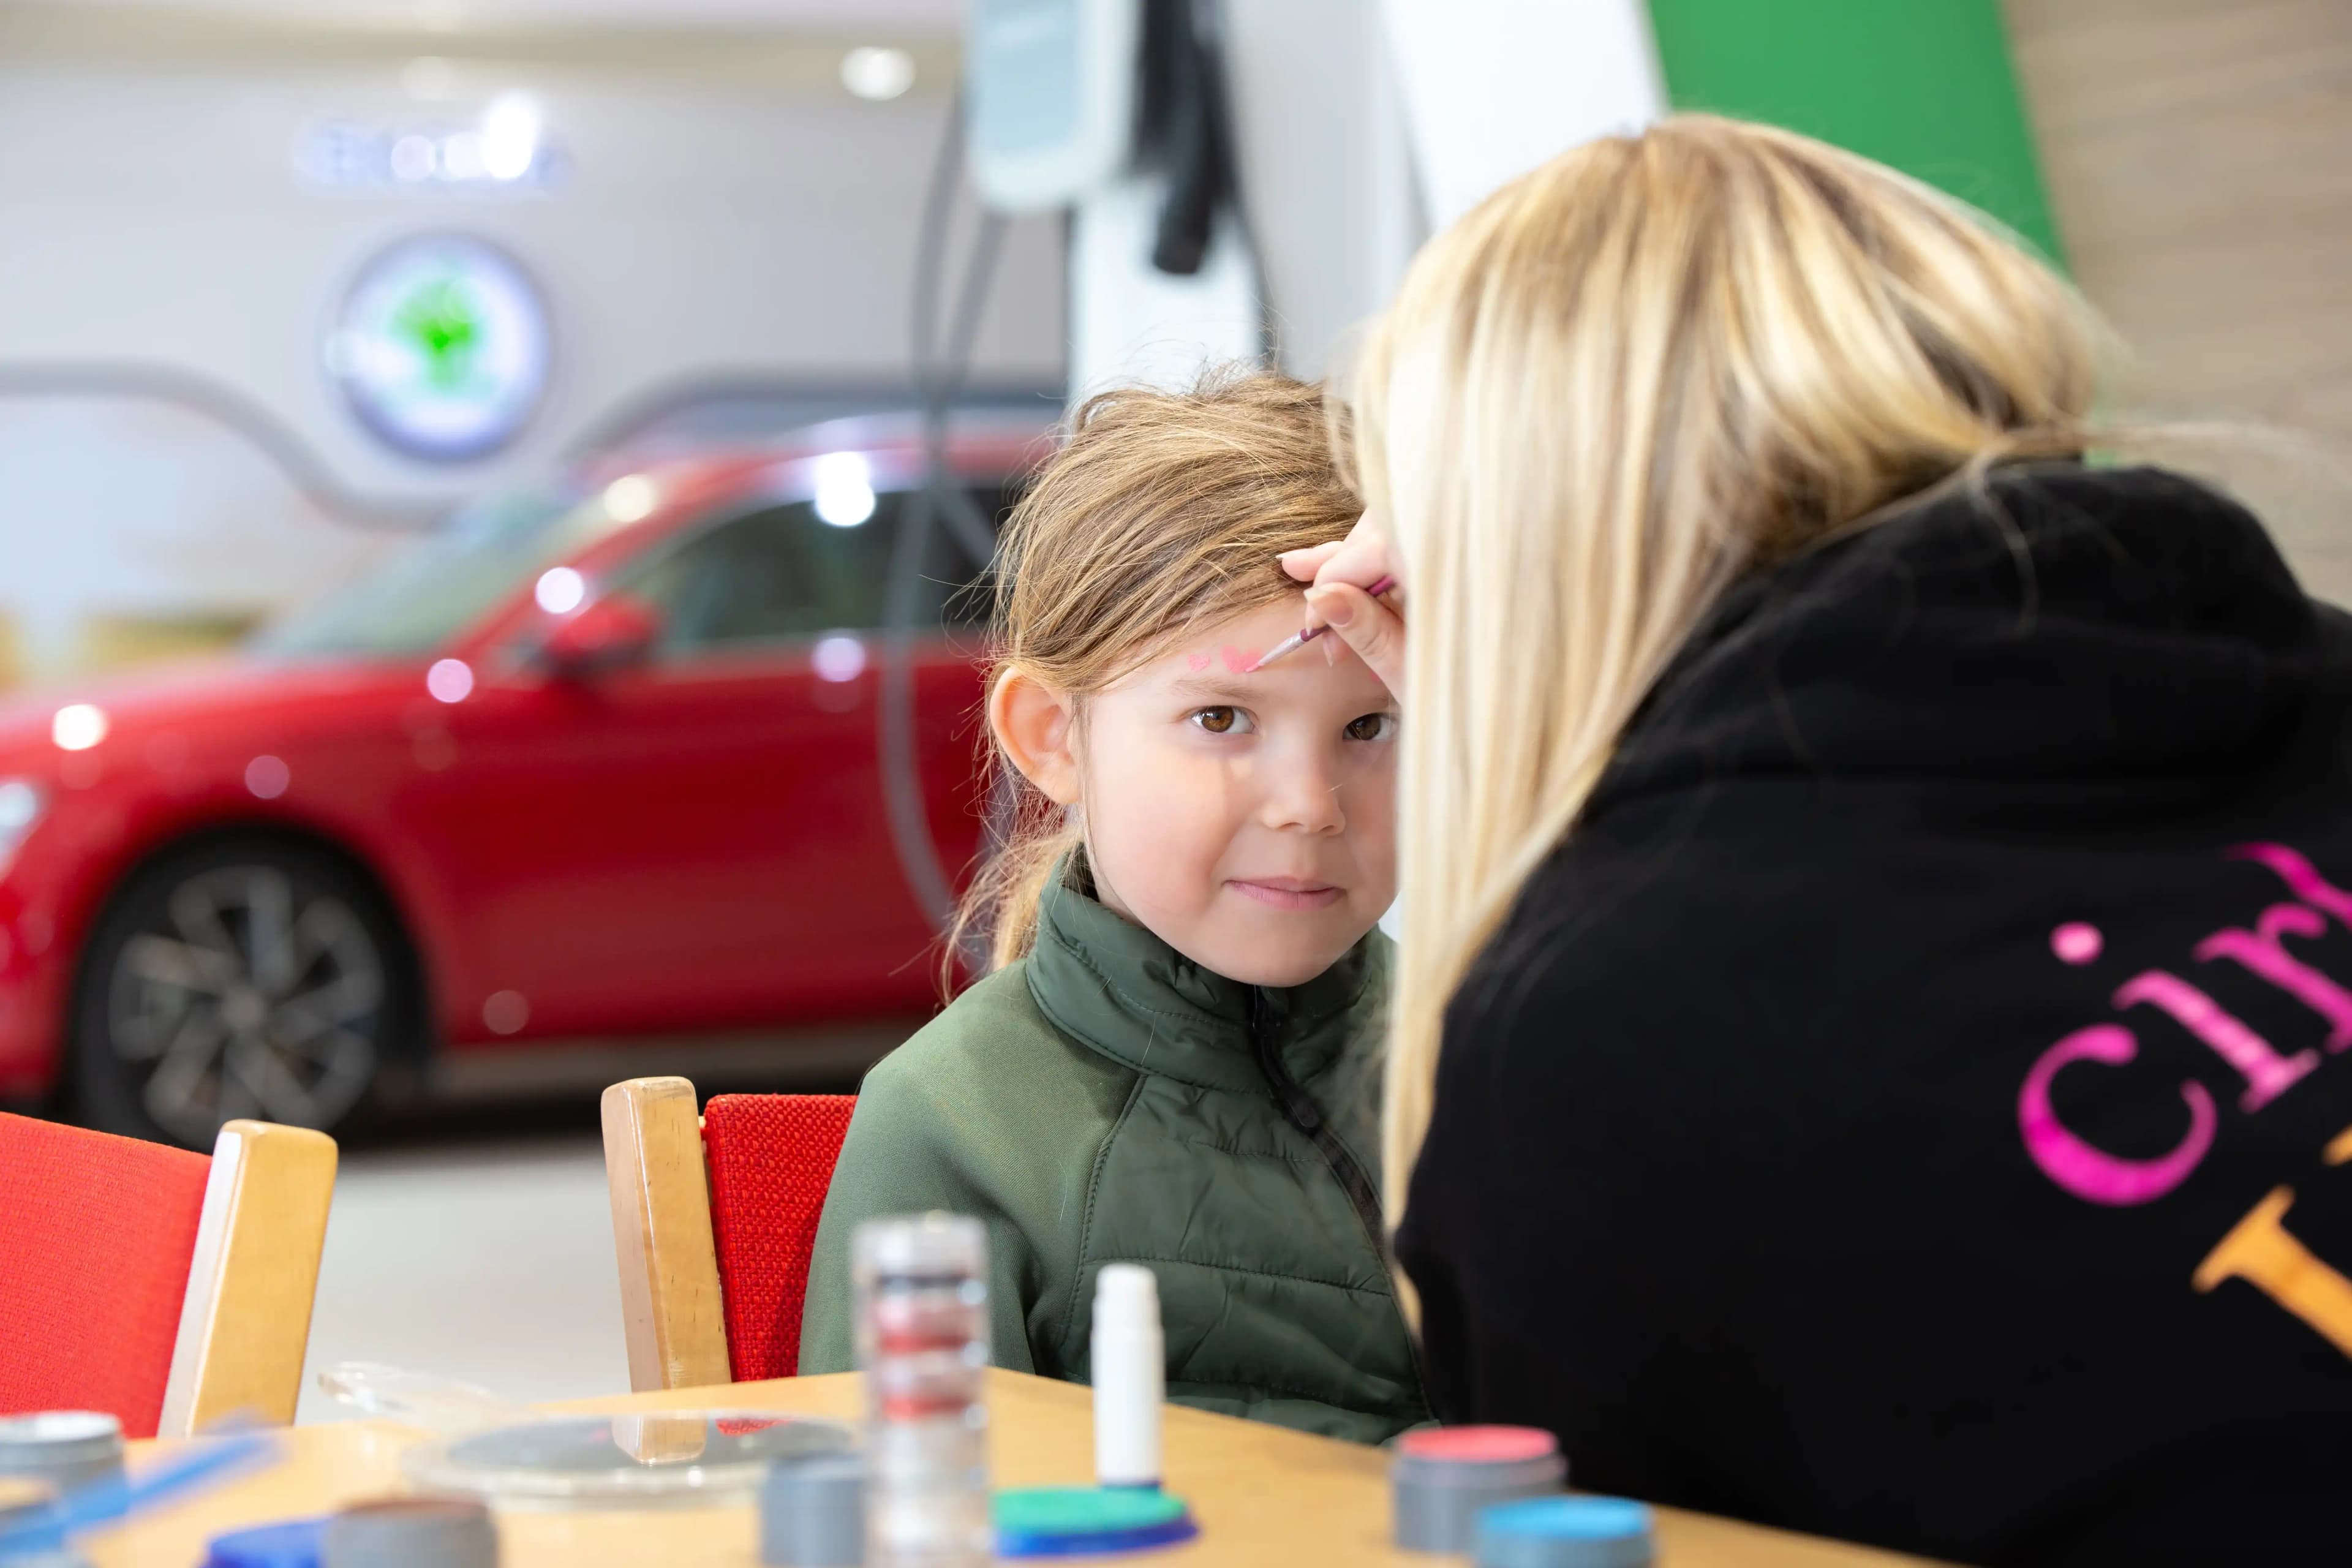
151 211
1326 167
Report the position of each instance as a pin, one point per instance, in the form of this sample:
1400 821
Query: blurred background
491 493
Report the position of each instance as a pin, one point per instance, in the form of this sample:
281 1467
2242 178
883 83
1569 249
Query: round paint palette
1081 1521
680 1459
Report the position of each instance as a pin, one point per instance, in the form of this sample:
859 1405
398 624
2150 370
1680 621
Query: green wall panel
1924 84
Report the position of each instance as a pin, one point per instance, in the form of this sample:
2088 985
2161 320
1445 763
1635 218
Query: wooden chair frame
245 1322
671 1310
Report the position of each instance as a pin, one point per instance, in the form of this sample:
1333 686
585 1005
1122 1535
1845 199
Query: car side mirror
611 634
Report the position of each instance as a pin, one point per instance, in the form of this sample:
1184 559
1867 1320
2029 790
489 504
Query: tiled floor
492 1263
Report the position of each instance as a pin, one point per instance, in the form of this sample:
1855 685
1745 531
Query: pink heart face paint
1239 660
1197 662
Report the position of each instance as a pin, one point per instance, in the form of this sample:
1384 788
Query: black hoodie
1914 1106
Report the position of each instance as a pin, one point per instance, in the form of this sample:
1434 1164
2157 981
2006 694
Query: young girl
1174 1060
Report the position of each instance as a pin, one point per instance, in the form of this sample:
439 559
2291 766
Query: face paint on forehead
1197 661
1240 660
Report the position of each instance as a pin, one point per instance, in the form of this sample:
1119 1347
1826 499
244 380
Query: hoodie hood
2061 624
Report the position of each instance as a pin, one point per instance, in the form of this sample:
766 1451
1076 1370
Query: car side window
782 573
959 591
774 573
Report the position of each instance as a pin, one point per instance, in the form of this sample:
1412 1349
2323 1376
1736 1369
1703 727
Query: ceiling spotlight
877 73
509 136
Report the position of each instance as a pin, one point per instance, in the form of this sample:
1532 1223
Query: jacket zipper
1298 1108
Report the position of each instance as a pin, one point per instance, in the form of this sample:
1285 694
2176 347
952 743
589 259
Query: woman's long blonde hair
1626 378
1161 513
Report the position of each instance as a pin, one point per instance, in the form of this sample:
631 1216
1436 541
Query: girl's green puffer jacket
1107 1100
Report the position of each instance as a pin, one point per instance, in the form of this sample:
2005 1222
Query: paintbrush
1292 645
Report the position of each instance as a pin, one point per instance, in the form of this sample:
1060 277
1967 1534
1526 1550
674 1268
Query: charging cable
940 374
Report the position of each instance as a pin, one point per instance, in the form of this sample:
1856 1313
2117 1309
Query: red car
594 763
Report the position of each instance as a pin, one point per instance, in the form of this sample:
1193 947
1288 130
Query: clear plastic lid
60 1437
419 1398
932 1246
682 1460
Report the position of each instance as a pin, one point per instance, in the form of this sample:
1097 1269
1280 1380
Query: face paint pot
813 1512
1566 1532
1440 1477
66 1448
448 1532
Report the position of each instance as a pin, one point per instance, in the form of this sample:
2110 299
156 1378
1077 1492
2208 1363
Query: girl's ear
1034 724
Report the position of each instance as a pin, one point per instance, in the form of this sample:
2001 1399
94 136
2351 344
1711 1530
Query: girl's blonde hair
1162 512
1626 378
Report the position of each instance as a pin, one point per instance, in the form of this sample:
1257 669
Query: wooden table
1262 1495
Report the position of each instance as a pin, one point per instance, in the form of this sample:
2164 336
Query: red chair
713 1224
160 1287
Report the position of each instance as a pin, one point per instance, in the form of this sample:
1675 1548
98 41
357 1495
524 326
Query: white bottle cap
1123 1287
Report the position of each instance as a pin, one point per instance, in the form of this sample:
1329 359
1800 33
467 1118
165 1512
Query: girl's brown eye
1215 721
1372 727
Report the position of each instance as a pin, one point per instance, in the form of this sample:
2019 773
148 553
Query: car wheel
238 979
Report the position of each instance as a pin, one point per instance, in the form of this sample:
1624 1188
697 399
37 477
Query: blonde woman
1869 1042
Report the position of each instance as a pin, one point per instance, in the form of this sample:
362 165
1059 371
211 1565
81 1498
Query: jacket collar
1119 989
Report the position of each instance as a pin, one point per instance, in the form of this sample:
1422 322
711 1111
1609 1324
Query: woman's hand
1339 572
